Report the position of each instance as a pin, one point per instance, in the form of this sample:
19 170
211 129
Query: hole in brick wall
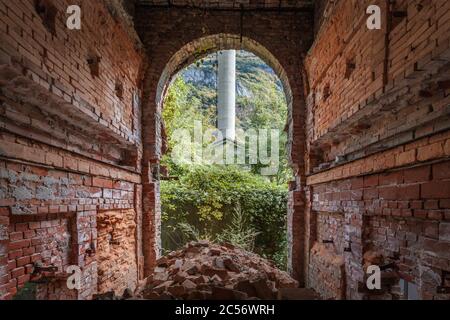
119 89
94 65
398 13
444 85
116 256
47 11
409 290
350 67
43 247
444 288
129 157
326 92
27 292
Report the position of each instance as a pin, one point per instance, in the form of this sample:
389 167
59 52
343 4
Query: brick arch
174 39
201 47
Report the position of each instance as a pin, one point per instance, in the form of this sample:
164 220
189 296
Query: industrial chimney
226 94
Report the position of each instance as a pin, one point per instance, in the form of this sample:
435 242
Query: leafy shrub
206 198
239 233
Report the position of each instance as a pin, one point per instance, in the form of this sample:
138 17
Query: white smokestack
226 100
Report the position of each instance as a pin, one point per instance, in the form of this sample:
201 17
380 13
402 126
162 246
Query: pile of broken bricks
206 271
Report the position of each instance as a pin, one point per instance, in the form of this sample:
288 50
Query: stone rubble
206 271
81 138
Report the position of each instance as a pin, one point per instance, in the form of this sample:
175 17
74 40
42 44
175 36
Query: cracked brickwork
116 255
70 146
378 145
82 137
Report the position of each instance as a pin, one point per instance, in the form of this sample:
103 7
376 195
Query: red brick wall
70 144
368 115
326 272
176 37
116 251
378 144
58 62
34 191
46 240
405 213
391 96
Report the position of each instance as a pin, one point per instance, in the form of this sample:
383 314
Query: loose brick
435 190
430 152
23 261
419 174
393 178
102 182
14 245
371 181
15 273
441 170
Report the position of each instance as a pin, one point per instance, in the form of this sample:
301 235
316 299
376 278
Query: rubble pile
204 271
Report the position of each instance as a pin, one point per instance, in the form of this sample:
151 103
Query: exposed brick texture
359 113
117 267
377 145
70 145
401 215
327 274
81 137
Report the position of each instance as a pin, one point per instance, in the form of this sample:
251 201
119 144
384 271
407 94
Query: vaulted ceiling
232 4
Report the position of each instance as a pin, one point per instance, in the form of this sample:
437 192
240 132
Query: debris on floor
206 271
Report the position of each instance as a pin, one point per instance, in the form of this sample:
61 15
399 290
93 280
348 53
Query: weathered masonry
81 137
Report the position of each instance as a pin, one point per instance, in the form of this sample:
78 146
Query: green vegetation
207 197
226 203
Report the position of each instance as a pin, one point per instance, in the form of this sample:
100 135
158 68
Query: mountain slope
258 89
